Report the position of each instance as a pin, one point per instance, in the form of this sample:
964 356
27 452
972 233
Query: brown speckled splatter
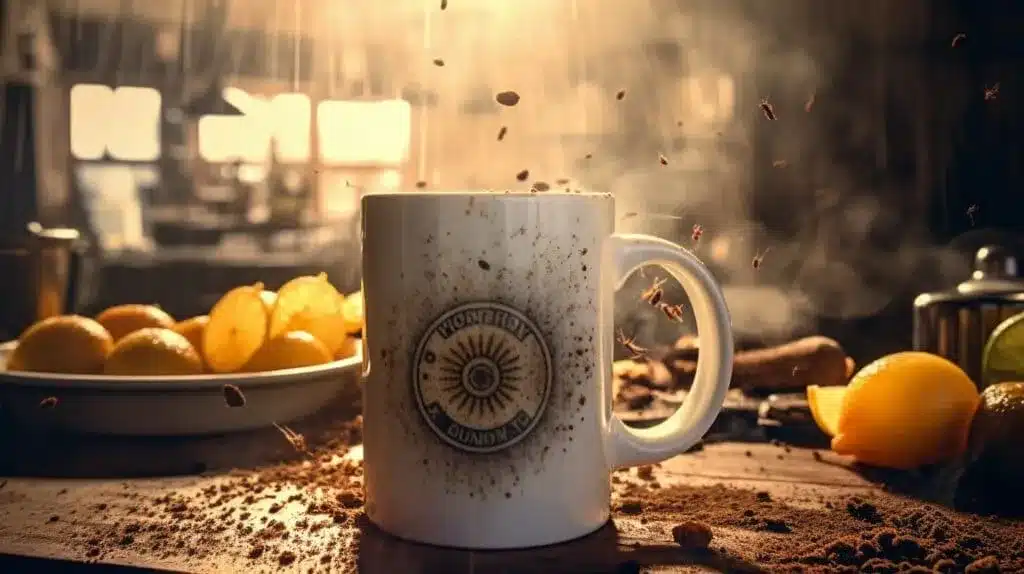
536 263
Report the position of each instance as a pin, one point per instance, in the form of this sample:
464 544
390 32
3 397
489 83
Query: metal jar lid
956 323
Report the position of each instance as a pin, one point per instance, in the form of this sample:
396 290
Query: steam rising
692 74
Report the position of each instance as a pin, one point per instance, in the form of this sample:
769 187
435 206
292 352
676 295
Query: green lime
1003 357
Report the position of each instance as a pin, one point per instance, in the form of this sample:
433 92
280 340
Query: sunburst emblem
482 376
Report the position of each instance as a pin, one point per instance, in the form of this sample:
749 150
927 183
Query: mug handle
626 446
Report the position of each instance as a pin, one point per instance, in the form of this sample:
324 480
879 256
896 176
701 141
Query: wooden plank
28 527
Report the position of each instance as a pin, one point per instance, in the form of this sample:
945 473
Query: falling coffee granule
233 396
692 535
767 109
957 39
444 4
523 175
620 95
484 265
507 98
502 132
662 159
48 403
439 62
421 184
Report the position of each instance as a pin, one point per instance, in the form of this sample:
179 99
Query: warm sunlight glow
290 119
123 123
364 133
229 138
136 136
286 119
88 117
708 98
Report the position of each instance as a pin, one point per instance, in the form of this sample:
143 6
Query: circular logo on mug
482 376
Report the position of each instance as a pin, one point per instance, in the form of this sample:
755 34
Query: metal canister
40 273
956 323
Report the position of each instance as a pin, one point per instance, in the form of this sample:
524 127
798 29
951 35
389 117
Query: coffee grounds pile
308 514
877 533
307 509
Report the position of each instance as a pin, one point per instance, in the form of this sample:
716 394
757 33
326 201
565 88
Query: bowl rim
188 383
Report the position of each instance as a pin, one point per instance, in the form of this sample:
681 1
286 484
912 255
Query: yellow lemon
825 403
902 411
121 320
349 348
236 329
290 350
311 304
353 309
153 352
66 344
193 329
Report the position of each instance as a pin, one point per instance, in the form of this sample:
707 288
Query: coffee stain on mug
533 287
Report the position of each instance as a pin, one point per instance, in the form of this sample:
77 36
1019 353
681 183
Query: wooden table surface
48 518
52 518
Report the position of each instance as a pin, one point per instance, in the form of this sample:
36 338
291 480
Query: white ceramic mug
489 339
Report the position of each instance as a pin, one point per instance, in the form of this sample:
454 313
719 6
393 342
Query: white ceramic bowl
167 406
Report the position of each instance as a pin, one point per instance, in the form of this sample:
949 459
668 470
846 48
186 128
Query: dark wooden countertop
50 518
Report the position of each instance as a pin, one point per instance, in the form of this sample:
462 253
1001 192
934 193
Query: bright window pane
135 135
290 116
364 133
227 138
90 105
124 123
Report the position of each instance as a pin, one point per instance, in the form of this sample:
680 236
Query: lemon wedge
826 403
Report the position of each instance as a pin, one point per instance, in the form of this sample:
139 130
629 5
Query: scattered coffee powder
880 532
523 175
317 501
439 62
309 494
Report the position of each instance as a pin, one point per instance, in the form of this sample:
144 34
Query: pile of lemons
250 329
